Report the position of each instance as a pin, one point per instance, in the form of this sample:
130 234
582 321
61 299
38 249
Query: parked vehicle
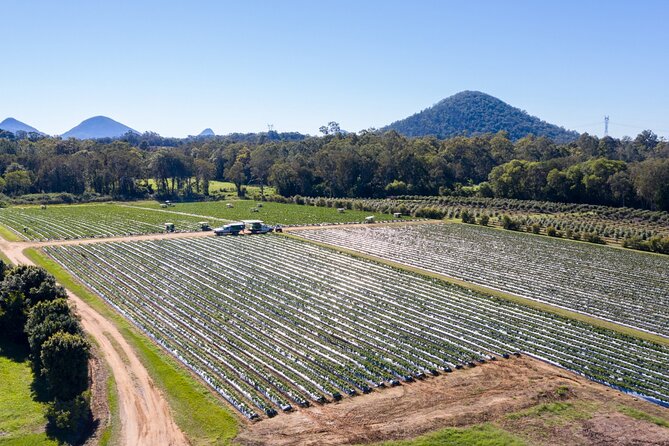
257 226
230 229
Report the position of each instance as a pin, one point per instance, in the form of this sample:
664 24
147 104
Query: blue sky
176 67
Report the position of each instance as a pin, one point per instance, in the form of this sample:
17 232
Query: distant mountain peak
474 112
98 127
14 125
207 132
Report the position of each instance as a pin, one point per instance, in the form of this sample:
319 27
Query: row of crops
608 222
272 323
619 285
92 220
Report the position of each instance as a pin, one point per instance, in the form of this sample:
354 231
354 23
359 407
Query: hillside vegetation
473 113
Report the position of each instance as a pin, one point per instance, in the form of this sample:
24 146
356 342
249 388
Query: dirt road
144 412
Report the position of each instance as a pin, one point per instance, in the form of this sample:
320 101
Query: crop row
619 285
92 220
272 323
607 222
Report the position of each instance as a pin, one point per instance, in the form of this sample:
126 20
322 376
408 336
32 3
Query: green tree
17 182
46 319
64 359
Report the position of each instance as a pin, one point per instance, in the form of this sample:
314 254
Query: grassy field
22 419
203 418
482 435
227 189
272 213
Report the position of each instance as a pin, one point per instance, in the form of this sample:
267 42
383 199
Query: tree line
609 171
34 311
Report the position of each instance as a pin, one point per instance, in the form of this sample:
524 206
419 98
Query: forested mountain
13 125
98 127
207 132
474 113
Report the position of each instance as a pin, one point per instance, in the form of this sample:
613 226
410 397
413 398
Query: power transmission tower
606 126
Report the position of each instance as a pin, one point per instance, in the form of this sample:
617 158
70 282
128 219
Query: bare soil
486 393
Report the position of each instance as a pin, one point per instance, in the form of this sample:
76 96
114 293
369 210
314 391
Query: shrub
429 212
467 217
484 220
551 231
536 228
592 237
509 223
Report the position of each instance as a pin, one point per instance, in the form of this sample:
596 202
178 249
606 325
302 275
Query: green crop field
270 212
91 220
22 419
60 222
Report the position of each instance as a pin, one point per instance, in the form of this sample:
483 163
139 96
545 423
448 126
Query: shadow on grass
20 352
15 351
77 436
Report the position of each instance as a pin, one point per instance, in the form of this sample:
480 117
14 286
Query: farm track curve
144 413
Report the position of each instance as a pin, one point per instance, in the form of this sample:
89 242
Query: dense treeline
619 172
34 310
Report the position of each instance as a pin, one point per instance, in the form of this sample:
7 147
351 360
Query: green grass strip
480 435
9 235
110 435
548 308
643 416
203 418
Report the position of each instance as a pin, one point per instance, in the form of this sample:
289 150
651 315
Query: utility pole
606 126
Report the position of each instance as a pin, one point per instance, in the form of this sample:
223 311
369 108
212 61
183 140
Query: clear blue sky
176 67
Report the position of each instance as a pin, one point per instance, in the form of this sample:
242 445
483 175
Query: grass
229 189
22 420
643 416
109 435
479 435
224 188
9 235
270 212
556 413
548 308
202 417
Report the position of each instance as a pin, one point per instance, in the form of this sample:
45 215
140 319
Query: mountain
207 132
12 125
98 127
473 112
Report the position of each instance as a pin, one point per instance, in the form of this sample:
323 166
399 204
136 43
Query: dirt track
144 412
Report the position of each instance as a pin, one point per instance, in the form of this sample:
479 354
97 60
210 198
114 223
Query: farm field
611 223
270 212
619 285
60 222
273 323
91 220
